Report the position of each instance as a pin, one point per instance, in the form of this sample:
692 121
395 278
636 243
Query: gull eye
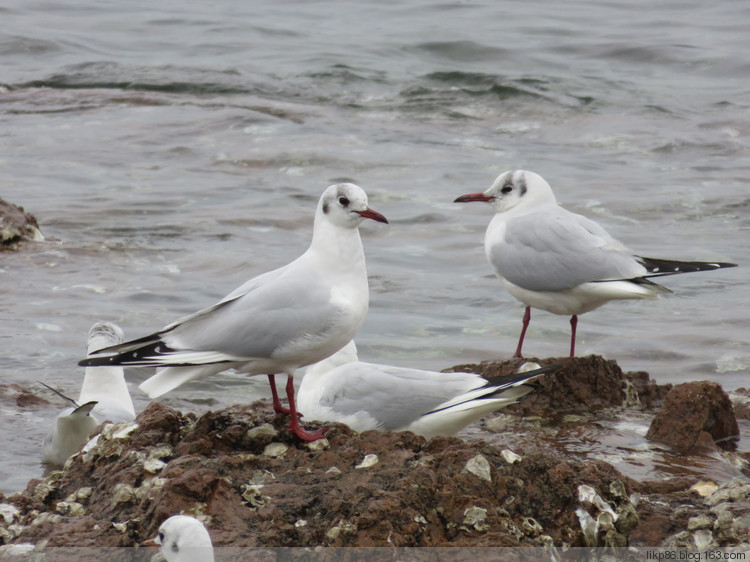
161 536
507 188
343 201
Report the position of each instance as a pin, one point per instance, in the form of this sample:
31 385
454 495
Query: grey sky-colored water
172 151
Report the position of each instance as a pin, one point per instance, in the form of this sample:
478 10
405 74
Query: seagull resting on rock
368 396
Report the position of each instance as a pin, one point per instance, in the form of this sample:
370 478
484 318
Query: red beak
470 197
374 215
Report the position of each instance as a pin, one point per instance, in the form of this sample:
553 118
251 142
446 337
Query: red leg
277 407
573 325
294 425
526 320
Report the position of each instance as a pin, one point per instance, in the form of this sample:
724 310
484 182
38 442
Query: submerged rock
695 417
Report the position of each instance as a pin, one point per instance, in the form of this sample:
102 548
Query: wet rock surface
20 396
581 385
255 484
16 226
695 416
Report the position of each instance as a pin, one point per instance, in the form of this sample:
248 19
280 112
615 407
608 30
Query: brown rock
256 484
583 384
650 395
695 417
741 405
417 493
16 225
21 396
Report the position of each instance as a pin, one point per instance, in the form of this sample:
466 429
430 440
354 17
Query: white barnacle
479 466
368 461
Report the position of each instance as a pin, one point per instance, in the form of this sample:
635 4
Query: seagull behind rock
104 397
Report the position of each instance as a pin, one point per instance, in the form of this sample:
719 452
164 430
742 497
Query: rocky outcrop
581 385
254 484
16 226
696 416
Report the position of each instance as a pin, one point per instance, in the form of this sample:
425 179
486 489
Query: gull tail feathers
148 351
153 352
133 352
452 419
170 378
483 403
84 409
503 382
468 407
503 389
636 288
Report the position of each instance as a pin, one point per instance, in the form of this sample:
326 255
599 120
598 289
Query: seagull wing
254 321
555 249
394 396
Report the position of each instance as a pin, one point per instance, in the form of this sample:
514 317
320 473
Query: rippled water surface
171 151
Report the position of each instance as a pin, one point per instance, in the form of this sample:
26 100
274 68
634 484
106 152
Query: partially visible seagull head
104 334
184 539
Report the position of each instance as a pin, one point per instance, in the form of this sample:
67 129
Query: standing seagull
559 261
275 323
104 397
368 396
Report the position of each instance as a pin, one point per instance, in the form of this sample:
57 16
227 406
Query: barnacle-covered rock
17 226
242 471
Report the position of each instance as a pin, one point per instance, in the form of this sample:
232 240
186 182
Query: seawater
171 151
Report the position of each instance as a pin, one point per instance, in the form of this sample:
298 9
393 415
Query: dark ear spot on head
325 207
522 185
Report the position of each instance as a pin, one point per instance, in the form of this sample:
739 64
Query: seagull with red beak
275 323
550 258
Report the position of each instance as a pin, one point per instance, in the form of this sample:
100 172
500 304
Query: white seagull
183 539
559 261
275 323
104 397
368 396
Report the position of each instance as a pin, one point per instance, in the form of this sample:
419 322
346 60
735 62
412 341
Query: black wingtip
99 361
60 394
510 378
144 356
657 267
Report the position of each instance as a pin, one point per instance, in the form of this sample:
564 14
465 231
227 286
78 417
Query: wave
170 79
